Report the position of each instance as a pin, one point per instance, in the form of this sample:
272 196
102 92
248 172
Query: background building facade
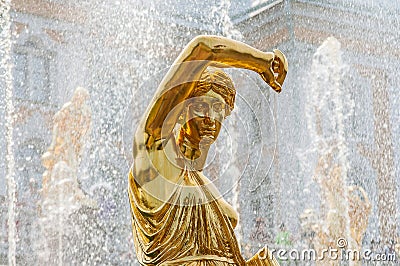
119 51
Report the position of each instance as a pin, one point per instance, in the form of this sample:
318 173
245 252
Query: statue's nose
209 121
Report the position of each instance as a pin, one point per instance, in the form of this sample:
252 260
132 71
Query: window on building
28 164
31 71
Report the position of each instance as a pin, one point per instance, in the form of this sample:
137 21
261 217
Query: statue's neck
194 152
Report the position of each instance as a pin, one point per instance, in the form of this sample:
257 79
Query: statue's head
210 103
80 95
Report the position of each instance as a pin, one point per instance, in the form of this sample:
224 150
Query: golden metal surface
178 216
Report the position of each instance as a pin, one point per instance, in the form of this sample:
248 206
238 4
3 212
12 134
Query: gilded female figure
178 216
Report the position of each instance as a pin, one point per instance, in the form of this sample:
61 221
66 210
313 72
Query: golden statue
178 216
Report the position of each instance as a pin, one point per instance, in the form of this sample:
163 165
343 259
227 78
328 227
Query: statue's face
204 116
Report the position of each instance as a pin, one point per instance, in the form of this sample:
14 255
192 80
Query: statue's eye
217 107
200 107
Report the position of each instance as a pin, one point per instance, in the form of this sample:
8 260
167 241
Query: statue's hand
275 75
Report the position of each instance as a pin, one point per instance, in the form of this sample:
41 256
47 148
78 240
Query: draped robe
190 228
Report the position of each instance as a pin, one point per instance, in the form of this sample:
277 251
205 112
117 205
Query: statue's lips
207 132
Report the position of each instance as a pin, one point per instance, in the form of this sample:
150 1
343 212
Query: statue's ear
181 118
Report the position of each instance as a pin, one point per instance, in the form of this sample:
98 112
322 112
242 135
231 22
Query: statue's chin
206 141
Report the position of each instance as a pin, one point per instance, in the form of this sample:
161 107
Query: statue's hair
218 81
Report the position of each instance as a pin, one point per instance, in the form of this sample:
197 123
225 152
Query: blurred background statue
335 202
70 133
61 195
178 215
71 126
359 211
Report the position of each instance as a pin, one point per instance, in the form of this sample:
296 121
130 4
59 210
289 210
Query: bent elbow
202 48
199 39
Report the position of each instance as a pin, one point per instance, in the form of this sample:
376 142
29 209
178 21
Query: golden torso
170 199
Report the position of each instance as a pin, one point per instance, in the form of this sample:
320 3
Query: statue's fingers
282 66
278 55
276 66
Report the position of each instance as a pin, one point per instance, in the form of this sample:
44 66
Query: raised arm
181 79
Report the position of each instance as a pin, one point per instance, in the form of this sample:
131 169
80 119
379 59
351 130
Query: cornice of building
254 11
49 9
358 29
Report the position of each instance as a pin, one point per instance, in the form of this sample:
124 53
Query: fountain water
345 209
6 83
327 98
118 50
